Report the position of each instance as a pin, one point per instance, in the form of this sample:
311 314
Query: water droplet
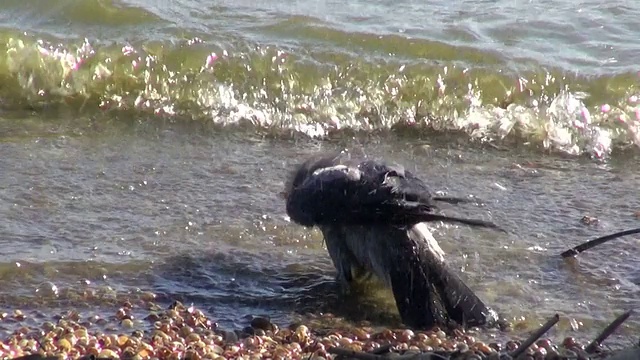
575 325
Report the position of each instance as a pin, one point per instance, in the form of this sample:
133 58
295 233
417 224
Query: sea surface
144 145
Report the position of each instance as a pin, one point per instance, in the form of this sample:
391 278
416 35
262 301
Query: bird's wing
404 199
360 194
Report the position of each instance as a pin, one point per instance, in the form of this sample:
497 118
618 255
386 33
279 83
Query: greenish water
144 144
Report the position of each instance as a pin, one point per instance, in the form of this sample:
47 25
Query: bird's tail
415 212
454 200
426 290
452 219
428 282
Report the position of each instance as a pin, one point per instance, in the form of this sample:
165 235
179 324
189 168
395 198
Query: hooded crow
373 218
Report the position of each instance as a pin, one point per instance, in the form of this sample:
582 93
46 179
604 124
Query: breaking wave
318 94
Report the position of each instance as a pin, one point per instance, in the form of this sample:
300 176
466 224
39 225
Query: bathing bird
373 217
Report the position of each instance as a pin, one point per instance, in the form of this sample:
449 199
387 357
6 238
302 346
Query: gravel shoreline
185 332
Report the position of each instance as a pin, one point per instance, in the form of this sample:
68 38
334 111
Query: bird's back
330 190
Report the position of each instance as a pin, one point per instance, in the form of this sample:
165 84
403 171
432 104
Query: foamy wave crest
270 89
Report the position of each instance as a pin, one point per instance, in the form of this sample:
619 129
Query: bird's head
301 171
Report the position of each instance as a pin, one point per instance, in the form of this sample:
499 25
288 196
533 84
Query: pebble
230 336
589 220
261 323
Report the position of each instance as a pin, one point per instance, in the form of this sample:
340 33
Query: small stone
249 330
177 305
544 343
589 220
148 296
483 348
18 315
462 347
230 337
386 335
261 323
512 345
540 354
569 342
361 335
406 335
152 317
302 333
108 353
64 344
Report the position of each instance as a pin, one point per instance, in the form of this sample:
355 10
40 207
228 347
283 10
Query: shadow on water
231 286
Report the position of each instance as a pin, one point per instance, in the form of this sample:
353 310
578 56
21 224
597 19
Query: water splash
269 89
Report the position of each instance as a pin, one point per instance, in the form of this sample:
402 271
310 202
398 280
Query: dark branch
595 242
535 336
610 329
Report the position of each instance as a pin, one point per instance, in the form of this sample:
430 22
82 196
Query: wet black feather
326 190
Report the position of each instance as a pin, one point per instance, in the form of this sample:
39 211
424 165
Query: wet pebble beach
143 329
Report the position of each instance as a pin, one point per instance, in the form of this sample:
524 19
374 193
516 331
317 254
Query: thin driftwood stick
607 331
353 354
595 242
369 356
382 349
535 336
42 357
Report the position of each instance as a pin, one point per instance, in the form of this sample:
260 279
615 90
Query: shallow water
194 215
149 157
